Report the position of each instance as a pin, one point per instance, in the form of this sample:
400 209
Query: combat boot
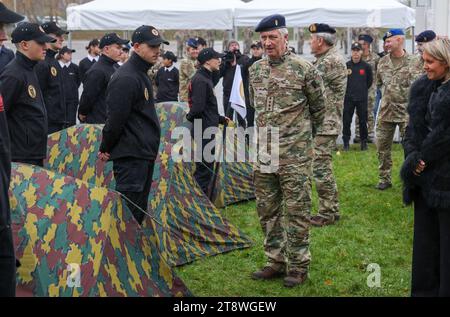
364 145
383 186
295 278
267 273
319 221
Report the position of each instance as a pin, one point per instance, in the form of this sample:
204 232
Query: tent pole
70 39
413 37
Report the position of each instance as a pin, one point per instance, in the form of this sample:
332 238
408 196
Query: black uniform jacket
93 98
132 127
25 109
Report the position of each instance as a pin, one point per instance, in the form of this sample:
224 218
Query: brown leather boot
295 278
267 273
318 221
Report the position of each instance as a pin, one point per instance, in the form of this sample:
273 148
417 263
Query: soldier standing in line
187 68
394 77
333 69
287 93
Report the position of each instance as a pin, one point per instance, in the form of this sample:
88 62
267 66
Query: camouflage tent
188 226
76 239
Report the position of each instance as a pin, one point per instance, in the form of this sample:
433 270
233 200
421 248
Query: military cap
366 38
393 32
207 54
110 39
356 46
26 31
94 42
171 56
126 47
52 28
7 16
425 36
65 50
321 28
201 41
149 35
192 42
272 22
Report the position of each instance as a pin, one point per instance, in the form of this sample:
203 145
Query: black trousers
349 110
133 180
431 251
204 169
7 256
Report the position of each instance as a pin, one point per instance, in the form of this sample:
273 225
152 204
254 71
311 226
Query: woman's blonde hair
439 49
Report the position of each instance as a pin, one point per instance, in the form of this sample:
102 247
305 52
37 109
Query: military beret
366 38
393 32
425 36
321 28
356 46
192 43
272 22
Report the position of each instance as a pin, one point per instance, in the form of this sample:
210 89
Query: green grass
375 227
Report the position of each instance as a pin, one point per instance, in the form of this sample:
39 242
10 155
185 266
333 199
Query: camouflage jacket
372 59
395 83
288 94
418 66
152 74
187 71
333 69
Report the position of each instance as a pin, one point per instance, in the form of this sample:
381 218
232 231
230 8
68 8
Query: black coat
227 71
428 139
25 110
168 84
51 83
71 81
84 66
359 81
132 128
93 98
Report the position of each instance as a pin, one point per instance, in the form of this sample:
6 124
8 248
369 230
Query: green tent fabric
188 225
60 221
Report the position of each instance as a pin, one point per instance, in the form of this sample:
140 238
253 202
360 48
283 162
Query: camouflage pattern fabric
287 94
418 66
59 221
187 71
152 75
333 70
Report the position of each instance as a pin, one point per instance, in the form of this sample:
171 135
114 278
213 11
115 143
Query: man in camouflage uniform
371 58
288 94
187 68
333 69
394 77
153 71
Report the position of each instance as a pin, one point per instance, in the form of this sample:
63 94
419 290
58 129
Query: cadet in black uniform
93 56
131 134
7 257
92 103
168 79
203 107
360 79
72 81
51 82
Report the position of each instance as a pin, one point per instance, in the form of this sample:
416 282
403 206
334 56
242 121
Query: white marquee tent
223 15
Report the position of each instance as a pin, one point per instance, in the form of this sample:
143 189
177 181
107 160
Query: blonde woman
426 172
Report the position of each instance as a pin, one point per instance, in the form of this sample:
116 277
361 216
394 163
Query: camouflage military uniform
395 82
418 64
152 74
187 71
372 59
287 94
332 68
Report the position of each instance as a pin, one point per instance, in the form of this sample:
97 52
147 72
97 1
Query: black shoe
267 273
383 186
346 147
370 140
363 146
356 140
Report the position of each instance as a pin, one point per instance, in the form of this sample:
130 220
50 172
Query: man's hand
419 168
82 117
104 156
227 120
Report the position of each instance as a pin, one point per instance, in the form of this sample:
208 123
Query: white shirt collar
92 58
62 64
169 68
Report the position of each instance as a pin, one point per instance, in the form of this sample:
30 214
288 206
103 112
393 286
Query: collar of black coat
139 63
205 71
105 59
50 53
25 61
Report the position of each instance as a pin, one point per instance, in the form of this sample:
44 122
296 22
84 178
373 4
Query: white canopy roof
338 13
224 15
172 14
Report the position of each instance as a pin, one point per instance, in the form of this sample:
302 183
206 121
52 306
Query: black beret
366 38
425 36
272 22
321 28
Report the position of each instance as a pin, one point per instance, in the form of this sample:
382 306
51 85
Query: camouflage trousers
370 116
385 135
323 176
284 205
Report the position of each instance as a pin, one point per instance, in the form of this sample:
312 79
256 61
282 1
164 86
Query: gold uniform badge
147 97
312 28
53 71
31 91
155 32
349 71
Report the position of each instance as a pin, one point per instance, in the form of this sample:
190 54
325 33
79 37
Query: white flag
237 98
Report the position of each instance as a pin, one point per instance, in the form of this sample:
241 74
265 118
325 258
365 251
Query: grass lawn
375 227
